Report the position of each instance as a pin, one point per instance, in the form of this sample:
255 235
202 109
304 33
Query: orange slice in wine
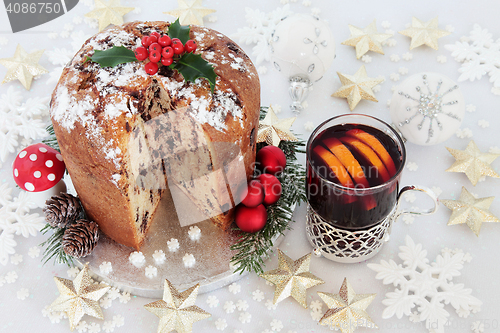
368 153
334 164
375 144
347 159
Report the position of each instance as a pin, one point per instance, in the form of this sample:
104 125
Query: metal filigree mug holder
346 246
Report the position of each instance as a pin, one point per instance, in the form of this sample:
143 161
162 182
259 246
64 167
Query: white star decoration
190 12
79 297
177 310
424 33
356 87
107 13
366 39
272 129
23 66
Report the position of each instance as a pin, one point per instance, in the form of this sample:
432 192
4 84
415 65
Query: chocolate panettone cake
128 137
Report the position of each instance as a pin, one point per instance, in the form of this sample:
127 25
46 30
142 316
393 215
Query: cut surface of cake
127 136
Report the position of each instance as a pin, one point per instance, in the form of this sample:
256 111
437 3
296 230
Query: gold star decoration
177 310
190 12
292 278
471 211
107 13
424 33
79 297
357 87
347 310
272 130
23 66
473 163
367 39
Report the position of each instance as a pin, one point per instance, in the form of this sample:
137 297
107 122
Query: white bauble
427 108
302 45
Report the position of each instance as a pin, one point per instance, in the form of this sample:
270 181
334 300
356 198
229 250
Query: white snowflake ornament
424 287
427 108
479 53
16 220
20 120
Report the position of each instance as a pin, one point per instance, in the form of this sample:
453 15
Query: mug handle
423 189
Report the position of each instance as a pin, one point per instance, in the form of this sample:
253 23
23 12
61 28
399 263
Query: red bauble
272 187
255 194
271 159
251 219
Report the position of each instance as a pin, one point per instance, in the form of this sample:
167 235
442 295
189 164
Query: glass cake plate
212 269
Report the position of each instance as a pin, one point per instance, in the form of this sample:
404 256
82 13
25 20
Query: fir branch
53 247
51 141
253 248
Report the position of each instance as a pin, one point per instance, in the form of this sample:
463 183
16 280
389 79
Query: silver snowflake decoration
425 287
16 220
429 105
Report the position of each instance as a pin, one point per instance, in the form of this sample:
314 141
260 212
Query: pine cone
80 238
62 210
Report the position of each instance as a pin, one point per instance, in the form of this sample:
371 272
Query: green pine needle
53 247
51 141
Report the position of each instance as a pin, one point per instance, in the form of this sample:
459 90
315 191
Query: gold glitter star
356 87
469 210
473 163
346 310
272 130
424 33
367 39
23 66
177 310
292 278
107 13
79 297
190 12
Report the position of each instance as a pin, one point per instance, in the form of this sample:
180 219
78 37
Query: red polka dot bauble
38 167
251 219
270 159
255 194
272 187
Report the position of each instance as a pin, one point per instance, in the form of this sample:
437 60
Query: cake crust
121 130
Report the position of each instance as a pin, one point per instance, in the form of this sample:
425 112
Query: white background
481 274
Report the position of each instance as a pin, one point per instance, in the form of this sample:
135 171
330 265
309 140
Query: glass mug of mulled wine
354 165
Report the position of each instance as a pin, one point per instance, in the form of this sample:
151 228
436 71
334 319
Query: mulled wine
353 173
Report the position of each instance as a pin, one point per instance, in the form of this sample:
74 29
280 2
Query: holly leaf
113 56
176 30
192 66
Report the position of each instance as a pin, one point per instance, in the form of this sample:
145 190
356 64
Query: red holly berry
167 52
141 53
167 61
155 52
190 46
152 39
151 68
145 41
177 46
154 47
156 34
164 40
154 56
